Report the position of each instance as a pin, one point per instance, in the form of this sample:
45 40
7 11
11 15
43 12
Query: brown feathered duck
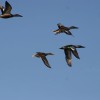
43 55
63 29
69 50
6 11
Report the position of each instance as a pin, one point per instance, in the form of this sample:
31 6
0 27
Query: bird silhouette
69 50
63 29
43 55
6 11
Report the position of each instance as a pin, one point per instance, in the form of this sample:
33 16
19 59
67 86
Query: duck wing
68 57
68 32
45 61
57 31
7 9
75 53
2 9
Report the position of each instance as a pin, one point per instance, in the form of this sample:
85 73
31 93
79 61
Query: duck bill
74 27
61 48
33 55
51 54
54 31
79 46
17 15
82 46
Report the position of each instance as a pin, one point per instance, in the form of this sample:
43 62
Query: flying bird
63 29
6 11
43 55
69 50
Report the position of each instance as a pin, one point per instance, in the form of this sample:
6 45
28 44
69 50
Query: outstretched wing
8 8
68 32
68 57
75 53
58 31
44 59
2 9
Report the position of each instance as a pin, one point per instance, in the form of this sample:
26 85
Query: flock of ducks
68 49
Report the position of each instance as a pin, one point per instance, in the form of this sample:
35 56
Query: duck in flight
64 29
6 11
69 50
43 55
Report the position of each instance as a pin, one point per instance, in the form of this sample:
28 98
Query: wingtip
6 2
48 66
70 65
78 57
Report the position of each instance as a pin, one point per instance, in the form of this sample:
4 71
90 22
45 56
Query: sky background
25 78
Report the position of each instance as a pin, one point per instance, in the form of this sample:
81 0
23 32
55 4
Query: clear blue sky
25 78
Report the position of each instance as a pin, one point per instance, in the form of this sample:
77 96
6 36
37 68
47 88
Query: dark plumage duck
63 29
43 57
6 12
69 49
